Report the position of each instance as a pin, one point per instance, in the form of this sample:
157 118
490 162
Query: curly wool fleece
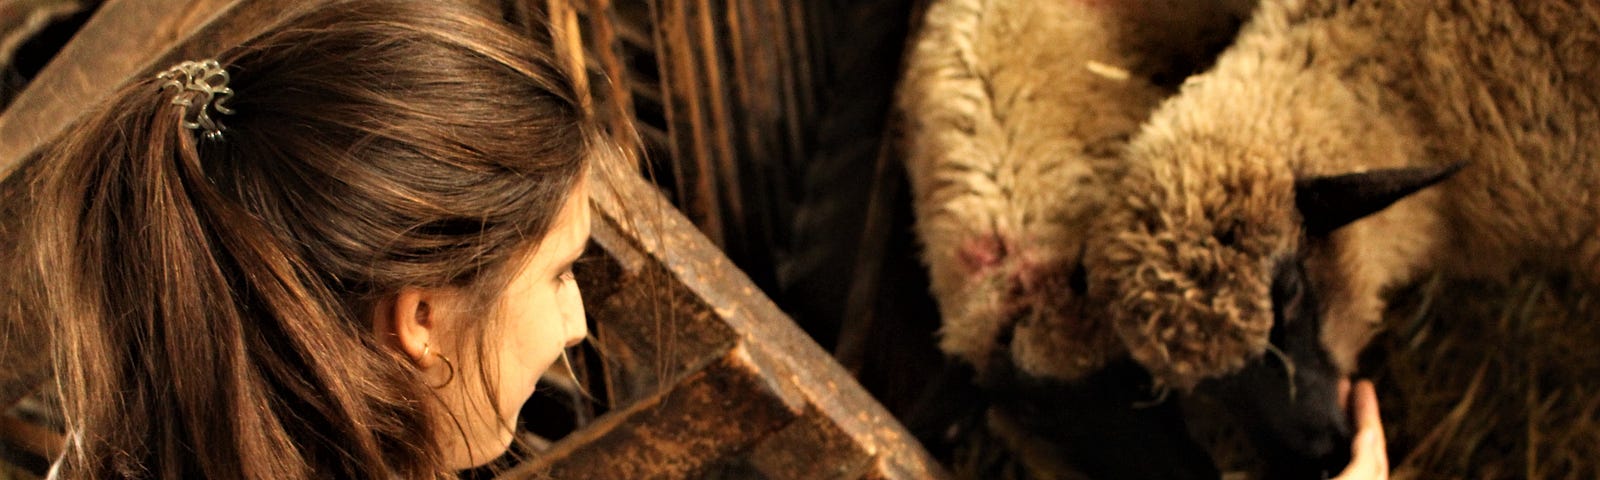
1327 87
1013 112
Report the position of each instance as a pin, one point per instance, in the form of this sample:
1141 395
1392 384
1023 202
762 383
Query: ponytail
161 292
207 280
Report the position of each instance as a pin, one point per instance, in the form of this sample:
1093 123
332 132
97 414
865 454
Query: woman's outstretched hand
1369 451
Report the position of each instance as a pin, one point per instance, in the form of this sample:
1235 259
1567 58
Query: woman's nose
576 323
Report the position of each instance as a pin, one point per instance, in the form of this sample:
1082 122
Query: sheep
1363 145
995 164
1011 113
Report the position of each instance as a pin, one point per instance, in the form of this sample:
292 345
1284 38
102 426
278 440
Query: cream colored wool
1317 87
1001 170
1012 109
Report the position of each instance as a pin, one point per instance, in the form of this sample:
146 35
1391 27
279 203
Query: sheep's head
1224 183
1200 262
1182 258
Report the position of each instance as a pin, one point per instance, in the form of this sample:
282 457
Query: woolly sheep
1325 111
1011 109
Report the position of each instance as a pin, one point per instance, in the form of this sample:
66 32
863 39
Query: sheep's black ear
1327 203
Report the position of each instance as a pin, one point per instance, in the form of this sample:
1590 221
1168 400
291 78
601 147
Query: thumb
1370 460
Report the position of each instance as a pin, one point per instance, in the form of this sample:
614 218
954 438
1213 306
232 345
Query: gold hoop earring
451 366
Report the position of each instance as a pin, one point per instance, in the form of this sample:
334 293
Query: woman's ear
408 321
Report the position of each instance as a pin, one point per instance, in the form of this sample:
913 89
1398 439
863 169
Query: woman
341 250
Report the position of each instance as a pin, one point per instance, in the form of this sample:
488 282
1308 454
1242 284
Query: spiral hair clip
205 81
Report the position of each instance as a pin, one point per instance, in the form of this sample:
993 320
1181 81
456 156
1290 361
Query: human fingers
1370 459
1344 394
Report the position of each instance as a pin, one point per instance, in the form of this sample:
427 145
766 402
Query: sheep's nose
1329 442
1332 435
1321 443
1320 428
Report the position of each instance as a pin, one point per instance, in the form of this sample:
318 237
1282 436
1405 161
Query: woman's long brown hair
209 299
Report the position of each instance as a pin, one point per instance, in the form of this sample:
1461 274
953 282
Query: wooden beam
711 414
32 439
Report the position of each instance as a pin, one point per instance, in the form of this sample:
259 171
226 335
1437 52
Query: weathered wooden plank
718 125
811 448
604 44
31 438
680 85
708 415
20 20
661 238
651 329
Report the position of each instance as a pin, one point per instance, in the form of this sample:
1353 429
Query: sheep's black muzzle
1288 398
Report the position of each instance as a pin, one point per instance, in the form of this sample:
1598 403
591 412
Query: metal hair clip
204 80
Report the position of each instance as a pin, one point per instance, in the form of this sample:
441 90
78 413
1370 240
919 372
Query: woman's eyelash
567 275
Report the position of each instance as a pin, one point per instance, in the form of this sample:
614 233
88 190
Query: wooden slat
21 20
811 448
33 439
604 43
716 126
709 415
568 43
693 151
633 22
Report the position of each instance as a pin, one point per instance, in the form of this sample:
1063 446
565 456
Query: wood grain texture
741 391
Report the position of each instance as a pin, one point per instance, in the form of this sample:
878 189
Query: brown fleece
1012 109
1318 87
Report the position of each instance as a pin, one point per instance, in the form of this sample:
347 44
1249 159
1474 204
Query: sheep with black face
1013 113
1289 187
